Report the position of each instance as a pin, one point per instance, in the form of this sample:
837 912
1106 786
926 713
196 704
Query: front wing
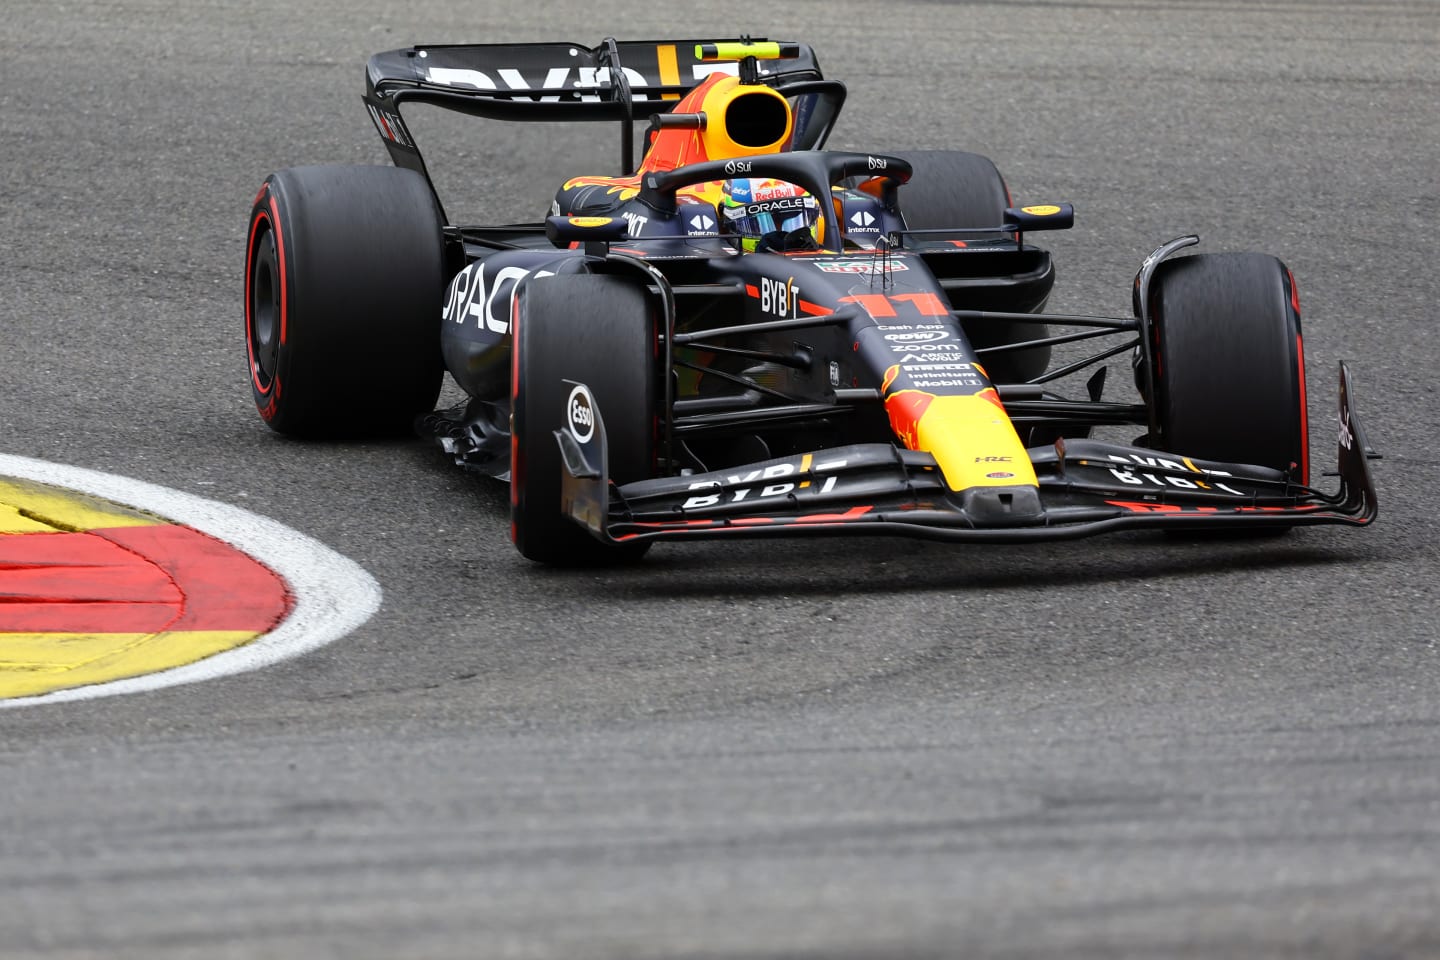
1086 487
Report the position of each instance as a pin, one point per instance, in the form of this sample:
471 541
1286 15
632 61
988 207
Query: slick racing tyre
1229 368
951 188
343 288
595 330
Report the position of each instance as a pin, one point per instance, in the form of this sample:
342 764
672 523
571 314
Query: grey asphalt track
1129 747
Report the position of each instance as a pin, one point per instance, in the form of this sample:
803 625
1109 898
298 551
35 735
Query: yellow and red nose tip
971 437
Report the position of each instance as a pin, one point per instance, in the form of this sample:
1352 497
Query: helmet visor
756 210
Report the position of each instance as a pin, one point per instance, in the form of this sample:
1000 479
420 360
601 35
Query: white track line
332 594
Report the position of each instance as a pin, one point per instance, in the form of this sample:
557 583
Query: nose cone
1002 506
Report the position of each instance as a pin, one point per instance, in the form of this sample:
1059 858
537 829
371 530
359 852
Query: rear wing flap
616 81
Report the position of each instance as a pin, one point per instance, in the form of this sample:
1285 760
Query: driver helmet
770 215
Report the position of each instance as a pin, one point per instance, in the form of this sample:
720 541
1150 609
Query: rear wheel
952 188
343 288
595 330
1229 362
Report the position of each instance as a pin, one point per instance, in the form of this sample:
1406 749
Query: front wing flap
1086 487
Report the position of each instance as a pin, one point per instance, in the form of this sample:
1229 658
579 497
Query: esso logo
580 411
738 166
876 163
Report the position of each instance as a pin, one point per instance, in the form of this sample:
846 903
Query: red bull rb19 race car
744 334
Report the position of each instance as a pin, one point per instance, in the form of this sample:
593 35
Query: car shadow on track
876 566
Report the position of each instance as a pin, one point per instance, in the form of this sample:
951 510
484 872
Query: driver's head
770 215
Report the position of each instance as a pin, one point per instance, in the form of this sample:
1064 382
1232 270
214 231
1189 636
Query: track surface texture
1128 747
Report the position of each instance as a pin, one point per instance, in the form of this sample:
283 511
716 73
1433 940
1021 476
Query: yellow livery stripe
669 69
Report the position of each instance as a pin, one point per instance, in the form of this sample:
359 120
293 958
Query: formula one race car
747 335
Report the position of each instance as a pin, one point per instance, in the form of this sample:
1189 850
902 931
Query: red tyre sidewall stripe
280 256
656 399
1304 412
517 459
256 218
1300 380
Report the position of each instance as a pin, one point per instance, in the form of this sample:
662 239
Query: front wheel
343 285
1229 364
590 329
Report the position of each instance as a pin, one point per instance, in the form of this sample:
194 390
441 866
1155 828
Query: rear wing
617 81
